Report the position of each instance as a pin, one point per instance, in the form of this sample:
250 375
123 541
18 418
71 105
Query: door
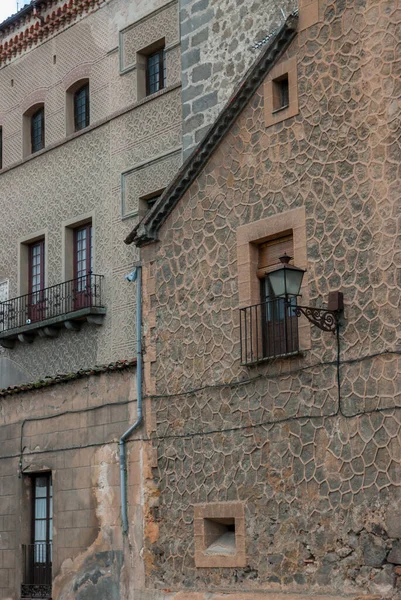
42 529
280 333
83 251
36 298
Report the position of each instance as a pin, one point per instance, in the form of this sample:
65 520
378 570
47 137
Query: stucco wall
81 175
316 465
217 45
72 429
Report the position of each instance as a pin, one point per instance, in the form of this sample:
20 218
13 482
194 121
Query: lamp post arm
323 318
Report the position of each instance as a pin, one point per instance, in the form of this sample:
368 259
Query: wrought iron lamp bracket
323 318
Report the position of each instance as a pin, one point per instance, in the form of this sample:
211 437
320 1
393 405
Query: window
78 106
38 554
83 264
36 284
281 98
156 72
281 92
279 331
38 130
81 107
146 202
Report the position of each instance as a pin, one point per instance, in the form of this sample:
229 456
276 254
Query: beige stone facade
85 175
308 443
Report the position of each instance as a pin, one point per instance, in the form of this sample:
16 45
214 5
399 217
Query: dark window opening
281 93
37 574
156 72
38 130
220 536
81 108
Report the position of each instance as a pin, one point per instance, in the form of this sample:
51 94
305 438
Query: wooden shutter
270 252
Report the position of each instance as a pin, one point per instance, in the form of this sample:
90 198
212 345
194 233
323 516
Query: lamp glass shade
286 281
277 281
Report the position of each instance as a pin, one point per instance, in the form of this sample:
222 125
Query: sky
9 7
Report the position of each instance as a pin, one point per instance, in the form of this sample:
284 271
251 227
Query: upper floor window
81 107
38 130
34 129
78 106
156 72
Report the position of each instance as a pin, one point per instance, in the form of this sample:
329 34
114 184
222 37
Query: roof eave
147 230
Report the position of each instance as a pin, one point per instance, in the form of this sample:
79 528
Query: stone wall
311 450
72 429
217 45
80 175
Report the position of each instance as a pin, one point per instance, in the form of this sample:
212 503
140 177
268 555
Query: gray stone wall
217 43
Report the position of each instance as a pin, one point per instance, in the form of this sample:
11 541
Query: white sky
9 7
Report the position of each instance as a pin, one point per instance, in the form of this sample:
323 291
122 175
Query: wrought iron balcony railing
37 571
268 330
51 303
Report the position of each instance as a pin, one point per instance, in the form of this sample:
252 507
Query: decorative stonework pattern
319 477
163 24
146 179
80 177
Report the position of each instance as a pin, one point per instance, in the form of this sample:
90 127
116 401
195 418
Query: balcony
43 313
37 571
268 330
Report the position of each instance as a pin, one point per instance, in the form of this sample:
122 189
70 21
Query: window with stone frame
151 66
279 328
81 107
38 130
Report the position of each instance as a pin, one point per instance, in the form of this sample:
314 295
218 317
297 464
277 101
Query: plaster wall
316 464
72 430
80 175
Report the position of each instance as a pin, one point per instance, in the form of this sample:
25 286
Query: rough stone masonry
217 43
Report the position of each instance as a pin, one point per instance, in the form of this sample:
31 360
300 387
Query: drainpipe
135 275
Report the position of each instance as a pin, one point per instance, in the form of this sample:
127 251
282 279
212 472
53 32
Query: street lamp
286 283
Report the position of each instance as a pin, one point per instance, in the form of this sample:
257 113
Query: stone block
393 523
190 58
200 37
394 556
201 72
207 101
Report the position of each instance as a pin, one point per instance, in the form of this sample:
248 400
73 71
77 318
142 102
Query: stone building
90 132
278 444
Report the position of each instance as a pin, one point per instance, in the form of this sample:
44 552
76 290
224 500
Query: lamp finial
285 259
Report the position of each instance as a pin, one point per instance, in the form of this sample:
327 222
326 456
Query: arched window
81 107
38 130
34 129
78 106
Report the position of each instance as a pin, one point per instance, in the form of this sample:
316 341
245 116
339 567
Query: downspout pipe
135 275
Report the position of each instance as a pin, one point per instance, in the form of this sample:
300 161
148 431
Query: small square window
220 535
281 94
